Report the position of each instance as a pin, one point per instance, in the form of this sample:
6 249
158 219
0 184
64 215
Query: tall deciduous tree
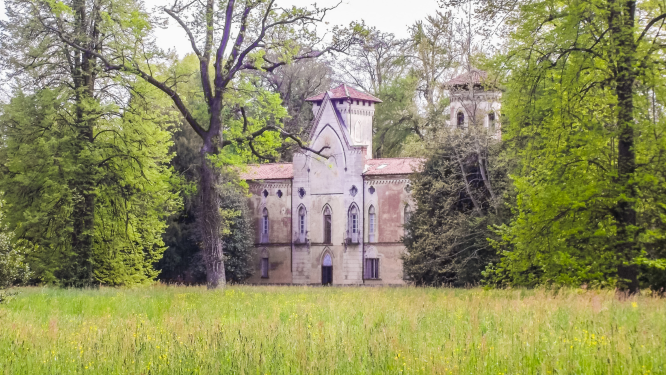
295 83
590 156
259 27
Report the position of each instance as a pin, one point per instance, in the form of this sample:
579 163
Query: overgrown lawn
306 330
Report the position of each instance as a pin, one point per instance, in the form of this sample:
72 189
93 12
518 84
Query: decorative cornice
400 179
261 186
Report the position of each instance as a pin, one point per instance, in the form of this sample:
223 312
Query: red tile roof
272 171
474 76
374 167
342 92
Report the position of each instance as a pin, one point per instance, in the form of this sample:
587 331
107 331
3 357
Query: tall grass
298 330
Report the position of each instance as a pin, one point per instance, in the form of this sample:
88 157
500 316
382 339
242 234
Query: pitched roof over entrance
344 92
376 167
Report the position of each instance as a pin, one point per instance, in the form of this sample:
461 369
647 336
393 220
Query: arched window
372 224
408 217
327 225
461 119
491 121
264 225
353 224
302 224
264 264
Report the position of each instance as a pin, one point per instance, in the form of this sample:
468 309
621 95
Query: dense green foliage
134 187
14 268
447 235
301 330
586 123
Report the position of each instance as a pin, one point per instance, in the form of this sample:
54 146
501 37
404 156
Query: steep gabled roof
344 92
388 166
272 171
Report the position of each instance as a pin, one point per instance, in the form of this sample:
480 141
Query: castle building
337 217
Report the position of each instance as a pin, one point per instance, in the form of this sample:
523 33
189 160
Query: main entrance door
327 270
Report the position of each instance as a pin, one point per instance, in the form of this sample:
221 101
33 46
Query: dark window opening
264 268
327 270
461 120
372 268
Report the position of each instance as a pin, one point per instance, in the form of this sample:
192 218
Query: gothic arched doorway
327 270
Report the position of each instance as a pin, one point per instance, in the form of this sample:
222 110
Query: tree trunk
80 273
210 221
622 27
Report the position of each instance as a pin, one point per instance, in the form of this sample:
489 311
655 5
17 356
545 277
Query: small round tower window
301 192
265 193
353 191
371 190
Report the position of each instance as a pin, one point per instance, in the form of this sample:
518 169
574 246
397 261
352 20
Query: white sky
387 15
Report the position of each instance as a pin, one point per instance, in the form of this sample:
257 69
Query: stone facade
474 101
336 218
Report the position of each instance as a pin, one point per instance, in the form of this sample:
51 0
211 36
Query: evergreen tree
459 196
133 190
77 127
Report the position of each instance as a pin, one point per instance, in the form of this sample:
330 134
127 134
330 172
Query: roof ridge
399 157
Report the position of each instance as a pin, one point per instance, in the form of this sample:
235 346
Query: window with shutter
264 226
372 224
372 268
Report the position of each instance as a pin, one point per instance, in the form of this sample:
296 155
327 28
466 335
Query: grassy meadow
306 330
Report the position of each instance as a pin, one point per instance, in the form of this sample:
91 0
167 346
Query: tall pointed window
461 120
408 217
264 225
302 224
327 225
372 224
491 120
353 224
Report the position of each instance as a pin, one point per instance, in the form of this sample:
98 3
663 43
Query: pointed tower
355 110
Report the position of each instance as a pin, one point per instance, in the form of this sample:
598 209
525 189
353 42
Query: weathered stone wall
279 210
277 245
336 182
279 261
